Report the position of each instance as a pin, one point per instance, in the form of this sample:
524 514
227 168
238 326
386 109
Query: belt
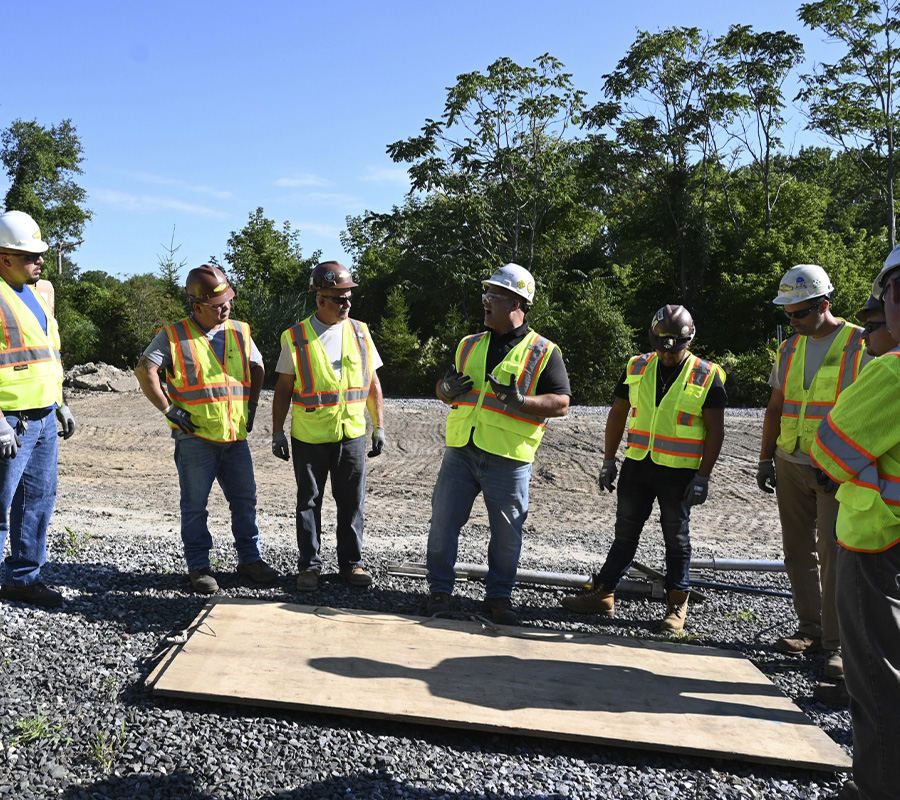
30 413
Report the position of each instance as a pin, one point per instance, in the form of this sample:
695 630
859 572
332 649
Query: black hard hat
672 328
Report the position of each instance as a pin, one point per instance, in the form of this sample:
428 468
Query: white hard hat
18 231
890 264
515 278
803 282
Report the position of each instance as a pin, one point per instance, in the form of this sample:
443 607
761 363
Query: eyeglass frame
803 313
29 258
490 297
871 327
341 300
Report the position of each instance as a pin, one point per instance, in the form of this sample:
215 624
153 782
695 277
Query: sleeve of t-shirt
285 363
255 355
716 397
555 378
376 358
621 389
159 351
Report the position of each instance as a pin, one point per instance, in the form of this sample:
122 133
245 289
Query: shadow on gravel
364 786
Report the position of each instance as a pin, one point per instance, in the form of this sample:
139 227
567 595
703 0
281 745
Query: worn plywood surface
636 693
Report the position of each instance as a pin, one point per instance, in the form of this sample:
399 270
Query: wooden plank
608 690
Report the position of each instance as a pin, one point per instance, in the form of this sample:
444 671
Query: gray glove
508 394
825 481
66 420
696 491
608 474
280 446
9 440
181 418
378 442
455 384
765 475
251 414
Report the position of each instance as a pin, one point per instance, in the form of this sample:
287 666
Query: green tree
170 269
854 100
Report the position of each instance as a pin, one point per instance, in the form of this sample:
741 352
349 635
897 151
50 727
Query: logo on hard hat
329 276
220 288
520 283
36 234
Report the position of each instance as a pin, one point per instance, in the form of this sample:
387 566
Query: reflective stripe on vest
31 373
306 395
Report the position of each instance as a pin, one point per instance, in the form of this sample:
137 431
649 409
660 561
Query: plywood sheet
628 692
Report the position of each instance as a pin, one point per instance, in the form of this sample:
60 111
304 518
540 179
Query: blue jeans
640 483
27 497
868 605
466 471
199 463
345 461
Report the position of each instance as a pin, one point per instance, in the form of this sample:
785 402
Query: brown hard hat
671 328
208 285
872 304
330 275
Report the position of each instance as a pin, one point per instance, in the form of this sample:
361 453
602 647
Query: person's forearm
147 374
281 402
546 405
615 427
257 375
375 402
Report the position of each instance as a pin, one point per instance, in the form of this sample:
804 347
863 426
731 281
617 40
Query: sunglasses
340 301
803 313
28 258
871 327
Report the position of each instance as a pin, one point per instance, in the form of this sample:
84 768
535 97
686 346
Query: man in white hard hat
504 385
811 369
858 446
31 377
205 373
673 404
328 379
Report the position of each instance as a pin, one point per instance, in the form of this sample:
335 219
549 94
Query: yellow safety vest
804 410
858 445
31 372
673 433
497 429
323 408
215 395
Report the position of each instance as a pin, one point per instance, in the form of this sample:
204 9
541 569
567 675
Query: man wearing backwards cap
31 379
674 406
214 373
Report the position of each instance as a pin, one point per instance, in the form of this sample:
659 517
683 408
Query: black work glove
181 418
508 394
378 442
608 474
280 446
455 384
251 414
825 481
765 475
66 420
9 440
696 491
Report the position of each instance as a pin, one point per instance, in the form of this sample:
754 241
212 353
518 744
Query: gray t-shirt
816 350
332 339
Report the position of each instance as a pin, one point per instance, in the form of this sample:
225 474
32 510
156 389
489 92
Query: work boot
308 580
676 611
259 572
203 581
36 595
834 664
501 610
599 599
798 643
849 791
438 603
832 694
356 576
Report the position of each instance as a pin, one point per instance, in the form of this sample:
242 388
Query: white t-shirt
332 339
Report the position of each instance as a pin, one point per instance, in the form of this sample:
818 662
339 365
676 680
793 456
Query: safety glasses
871 327
344 300
802 313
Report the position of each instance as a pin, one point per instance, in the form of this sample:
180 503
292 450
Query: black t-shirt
553 380
716 397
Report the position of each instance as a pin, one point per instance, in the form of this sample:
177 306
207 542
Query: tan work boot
676 611
598 600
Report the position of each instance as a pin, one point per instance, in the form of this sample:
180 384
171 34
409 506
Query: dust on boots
676 611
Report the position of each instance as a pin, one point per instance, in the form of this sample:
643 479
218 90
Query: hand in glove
507 394
378 441
280 446
608 474
455 384
66 420
251 414
765 475
181 418
696 491
9 440
825 481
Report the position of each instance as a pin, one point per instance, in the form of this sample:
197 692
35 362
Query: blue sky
194 113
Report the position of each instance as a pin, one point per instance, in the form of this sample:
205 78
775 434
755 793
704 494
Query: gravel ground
76 720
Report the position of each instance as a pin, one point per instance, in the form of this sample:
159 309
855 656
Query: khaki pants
808 515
